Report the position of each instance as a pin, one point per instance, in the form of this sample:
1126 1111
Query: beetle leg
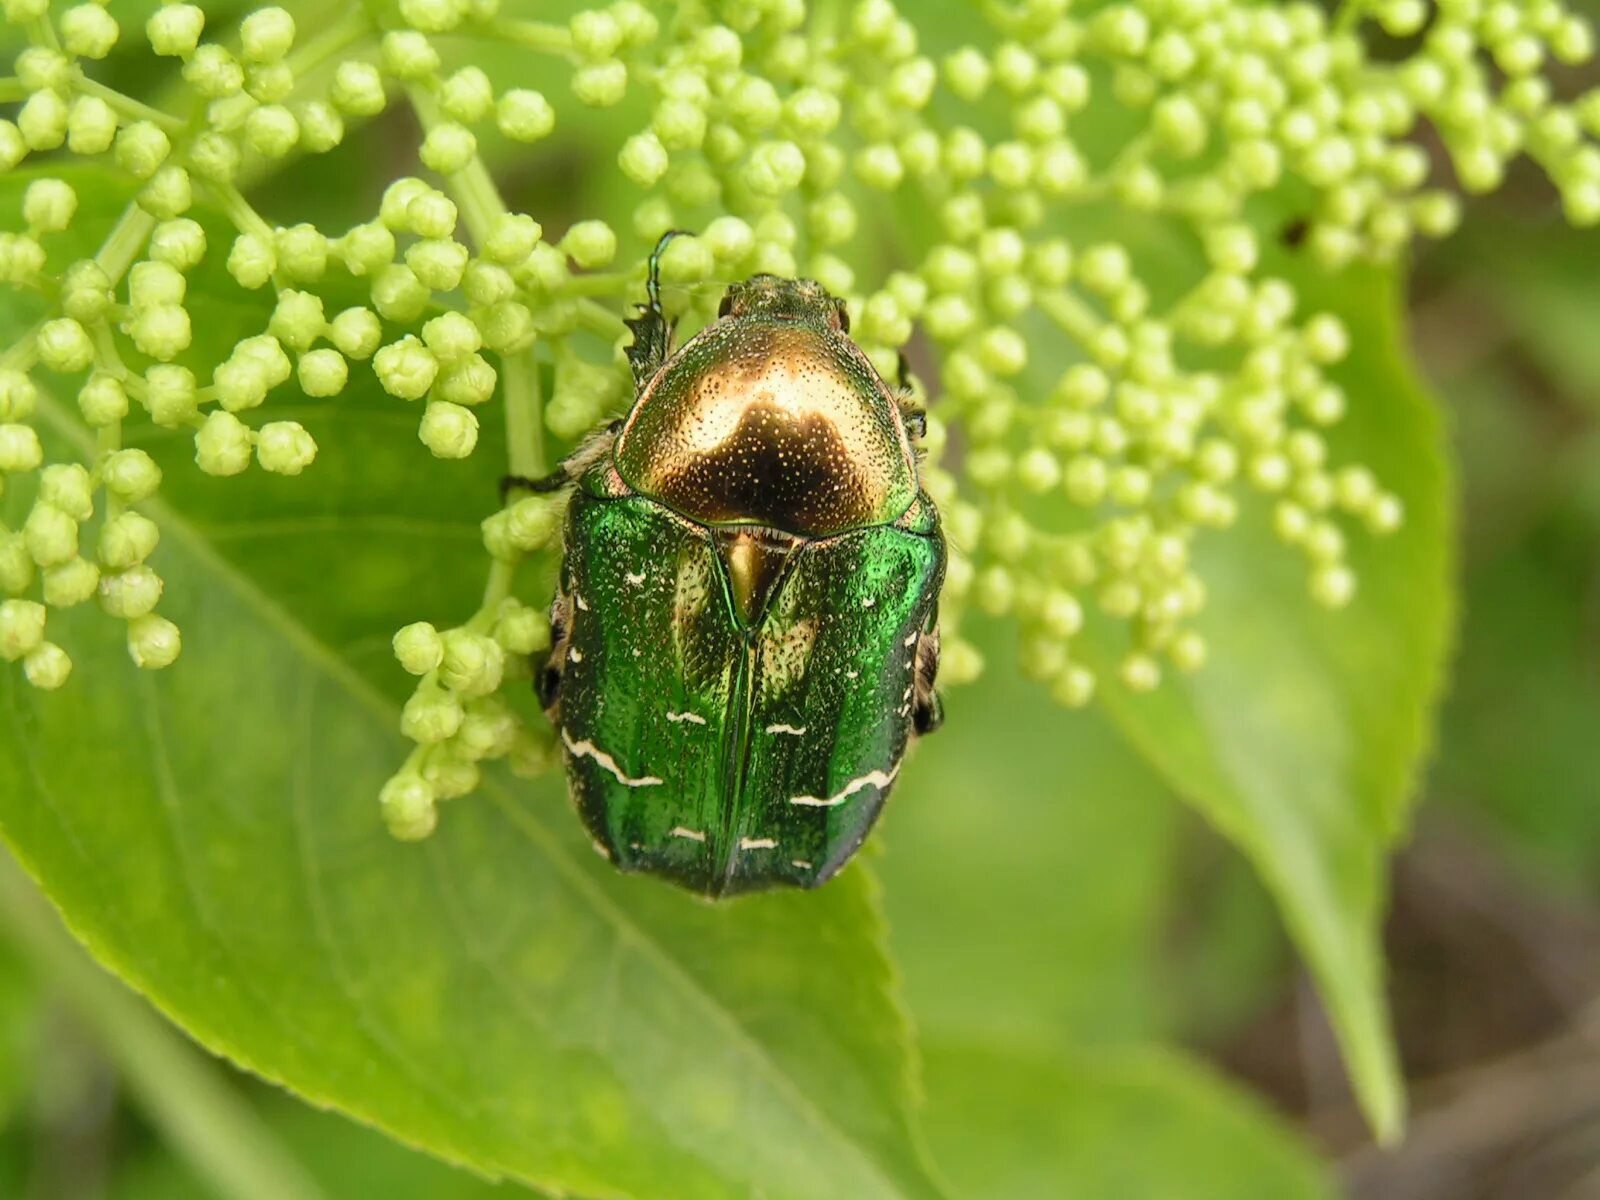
591 451
547 679
927 712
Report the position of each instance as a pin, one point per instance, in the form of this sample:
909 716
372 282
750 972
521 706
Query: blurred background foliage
1119 948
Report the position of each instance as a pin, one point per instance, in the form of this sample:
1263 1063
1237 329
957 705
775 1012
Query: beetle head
786 300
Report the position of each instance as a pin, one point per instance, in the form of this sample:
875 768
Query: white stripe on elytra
877 779
694 835
756 843
692 718
912 639
798 731
587 749
634 579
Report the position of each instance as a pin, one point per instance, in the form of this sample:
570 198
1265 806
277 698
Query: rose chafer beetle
745 634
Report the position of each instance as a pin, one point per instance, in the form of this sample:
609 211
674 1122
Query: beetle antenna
651 333
652 285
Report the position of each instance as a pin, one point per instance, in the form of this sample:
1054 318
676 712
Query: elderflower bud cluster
1064 220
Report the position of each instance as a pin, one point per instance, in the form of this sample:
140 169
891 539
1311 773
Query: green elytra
745 635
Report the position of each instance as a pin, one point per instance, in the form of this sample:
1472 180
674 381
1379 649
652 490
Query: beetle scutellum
745 635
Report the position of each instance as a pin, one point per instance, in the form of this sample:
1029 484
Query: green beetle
745 635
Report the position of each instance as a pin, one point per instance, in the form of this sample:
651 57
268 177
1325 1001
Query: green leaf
1302 738
497 995
1066 849
1132 1123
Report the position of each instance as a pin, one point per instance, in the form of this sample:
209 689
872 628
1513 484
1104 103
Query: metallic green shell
774 417
730 755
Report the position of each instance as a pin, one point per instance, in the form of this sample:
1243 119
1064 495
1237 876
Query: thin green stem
200 1117
23 352
123 243
1348 15
535 35
126 106
1074 316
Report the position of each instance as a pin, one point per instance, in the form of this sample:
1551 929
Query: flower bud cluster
457 716
1093 413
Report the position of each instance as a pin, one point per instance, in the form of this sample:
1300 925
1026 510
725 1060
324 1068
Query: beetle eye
844 319
726 306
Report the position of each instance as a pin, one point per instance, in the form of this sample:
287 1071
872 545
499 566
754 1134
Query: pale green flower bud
590 244
449 430
358 88
448 148
163 332
321 126
168 194
408 55
131 476
266 34
153 642
223 445
430 716
406 368
879 166
451 336
356 332
70 583
472 664
64 346
439 263
522 630
102 400
486 283
367 249
214 156
512 238
47 667
51 535
126 540
174 30
643 159
154 284
601 85
467 96
180 243
141 148
252 260
323 372
48 205
451 775
297 321
271 130
524 115
18 396
91 127
20 451
507 327
302 252
285 448
419 648
408 807
43 121
13 149
398 294
67 487
469 381
21 628
88 31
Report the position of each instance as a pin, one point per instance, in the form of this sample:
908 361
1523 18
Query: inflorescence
776 134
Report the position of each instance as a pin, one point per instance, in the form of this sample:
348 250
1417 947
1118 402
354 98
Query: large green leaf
497 995
1303 736
1135 1123
1046 922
